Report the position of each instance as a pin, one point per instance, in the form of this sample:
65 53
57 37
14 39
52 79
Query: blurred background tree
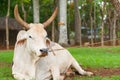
99 19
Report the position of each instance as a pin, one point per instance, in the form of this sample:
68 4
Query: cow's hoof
88 73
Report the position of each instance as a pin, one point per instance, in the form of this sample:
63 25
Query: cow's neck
30 60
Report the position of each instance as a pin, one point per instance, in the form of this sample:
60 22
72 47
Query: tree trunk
110 24
78 39
102 25
53 31
36 13
114 28
23 10
91 26
63 39
7 28
95 23
102 34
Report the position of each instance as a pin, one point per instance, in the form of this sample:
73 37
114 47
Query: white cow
35 58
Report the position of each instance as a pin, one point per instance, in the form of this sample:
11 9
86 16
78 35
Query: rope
53 50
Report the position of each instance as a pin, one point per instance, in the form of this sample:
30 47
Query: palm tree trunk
63 38
24 12
91 26
36 13
7 28
53 31
114 28
102 34
78 37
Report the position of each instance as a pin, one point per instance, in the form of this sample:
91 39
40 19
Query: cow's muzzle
44 52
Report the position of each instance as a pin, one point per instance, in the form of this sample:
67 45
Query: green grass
97 57
107 57
5 65
6 56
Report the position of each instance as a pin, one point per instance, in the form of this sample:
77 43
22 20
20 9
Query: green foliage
25 1
3 7
46 9
46 6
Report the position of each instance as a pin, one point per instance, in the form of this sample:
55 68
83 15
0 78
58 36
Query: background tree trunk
110 24
53 31
78 38
23 10
36 13
114 28
91 26
94 23
102 24
7 28
63 39
102 33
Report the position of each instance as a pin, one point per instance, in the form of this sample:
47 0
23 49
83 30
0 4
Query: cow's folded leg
18 76
56 73
21 77
80 70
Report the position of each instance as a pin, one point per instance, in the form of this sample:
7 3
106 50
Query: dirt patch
98 72
4 64
104 71
4 47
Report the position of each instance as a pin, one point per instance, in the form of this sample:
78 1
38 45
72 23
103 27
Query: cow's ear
48 42
21 41
20 34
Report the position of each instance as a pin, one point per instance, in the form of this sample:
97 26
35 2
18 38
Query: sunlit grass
6 56
97 57
5 65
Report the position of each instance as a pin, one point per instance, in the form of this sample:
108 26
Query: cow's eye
30 36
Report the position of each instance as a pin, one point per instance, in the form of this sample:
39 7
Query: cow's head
35 37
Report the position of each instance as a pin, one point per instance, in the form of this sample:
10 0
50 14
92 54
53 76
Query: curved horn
19 19
46 23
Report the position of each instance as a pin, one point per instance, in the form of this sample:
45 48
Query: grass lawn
107 57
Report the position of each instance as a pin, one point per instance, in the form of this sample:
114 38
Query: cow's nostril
41 50
44 50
